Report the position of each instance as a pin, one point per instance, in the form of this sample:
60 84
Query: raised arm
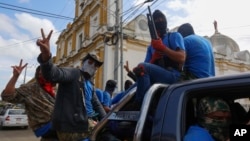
10 87
44 46
129 72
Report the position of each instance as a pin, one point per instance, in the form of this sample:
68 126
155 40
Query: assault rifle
153 34
151 25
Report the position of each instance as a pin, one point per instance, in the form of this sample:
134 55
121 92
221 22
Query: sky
19 30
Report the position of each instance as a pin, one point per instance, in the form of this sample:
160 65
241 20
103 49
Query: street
17 134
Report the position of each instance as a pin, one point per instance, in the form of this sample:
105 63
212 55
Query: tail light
7 118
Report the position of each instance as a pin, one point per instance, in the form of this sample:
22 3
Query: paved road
17 134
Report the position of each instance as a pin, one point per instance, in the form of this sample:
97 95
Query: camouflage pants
187 76
66 136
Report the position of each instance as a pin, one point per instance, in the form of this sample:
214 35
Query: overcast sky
19 30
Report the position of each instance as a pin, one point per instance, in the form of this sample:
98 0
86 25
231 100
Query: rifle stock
151 25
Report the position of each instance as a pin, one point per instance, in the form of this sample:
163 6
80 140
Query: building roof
226 46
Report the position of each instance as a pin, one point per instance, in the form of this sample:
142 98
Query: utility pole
121 51
119 44
117 17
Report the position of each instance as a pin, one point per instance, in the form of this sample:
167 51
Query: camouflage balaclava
219 129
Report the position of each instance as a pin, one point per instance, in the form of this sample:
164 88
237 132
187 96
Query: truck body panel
172 107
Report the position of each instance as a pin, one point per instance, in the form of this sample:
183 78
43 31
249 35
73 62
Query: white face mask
90 68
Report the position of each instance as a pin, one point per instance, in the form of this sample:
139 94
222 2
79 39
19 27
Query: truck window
237 98
240 110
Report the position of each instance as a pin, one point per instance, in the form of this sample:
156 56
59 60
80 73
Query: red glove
158 45
156 55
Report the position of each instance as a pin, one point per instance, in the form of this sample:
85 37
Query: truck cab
167 111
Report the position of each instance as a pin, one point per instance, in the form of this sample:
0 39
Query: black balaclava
186 29
161 26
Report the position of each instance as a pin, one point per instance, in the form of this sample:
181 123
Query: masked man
214 117
76 102
163 62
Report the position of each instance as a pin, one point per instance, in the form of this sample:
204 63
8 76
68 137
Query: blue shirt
172 40
176 42
199 56
88 97
118 97
99 94
106 99
197 133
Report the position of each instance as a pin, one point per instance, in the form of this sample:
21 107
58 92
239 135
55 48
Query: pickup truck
168 110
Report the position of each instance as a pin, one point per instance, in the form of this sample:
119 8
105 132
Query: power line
107 8
130 9
133 9
137 8
30 40
35 13
63 9
40 13
32 11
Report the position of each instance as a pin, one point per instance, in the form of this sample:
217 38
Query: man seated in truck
199 61
163 62
107 94
213 119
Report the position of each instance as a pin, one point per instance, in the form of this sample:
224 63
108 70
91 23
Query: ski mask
89 67
90 63
160 22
